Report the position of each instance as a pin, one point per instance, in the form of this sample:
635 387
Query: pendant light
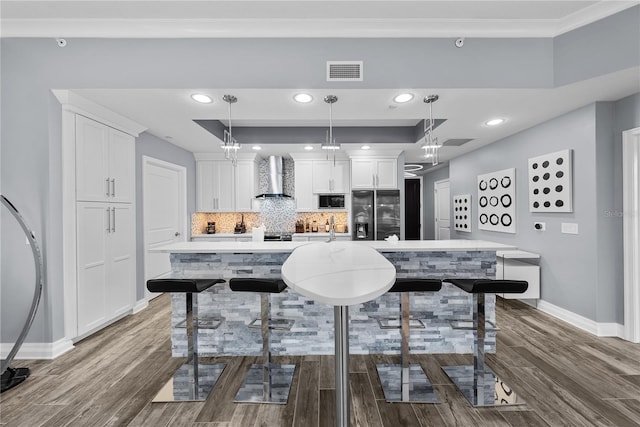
431 145
229 143
330 143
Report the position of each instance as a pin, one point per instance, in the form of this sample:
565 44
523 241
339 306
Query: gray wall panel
597 49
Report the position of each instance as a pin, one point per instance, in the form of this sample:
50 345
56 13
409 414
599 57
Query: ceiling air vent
456 142
344 71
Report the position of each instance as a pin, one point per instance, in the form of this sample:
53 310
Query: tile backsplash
272 215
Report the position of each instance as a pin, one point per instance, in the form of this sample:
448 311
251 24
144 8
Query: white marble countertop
380 246
517 254
338 273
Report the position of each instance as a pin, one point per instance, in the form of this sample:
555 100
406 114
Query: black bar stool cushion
412 284
181 285
272 286
487 286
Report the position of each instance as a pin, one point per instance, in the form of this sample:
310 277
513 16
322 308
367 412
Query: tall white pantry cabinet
105 223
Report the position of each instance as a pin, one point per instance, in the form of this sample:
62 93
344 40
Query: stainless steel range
278 237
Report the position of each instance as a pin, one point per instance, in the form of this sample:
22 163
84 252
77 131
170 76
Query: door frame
631 232
436 234
421 192
148 161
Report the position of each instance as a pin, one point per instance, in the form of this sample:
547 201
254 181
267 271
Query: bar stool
266 382
407 382
194 380
478 383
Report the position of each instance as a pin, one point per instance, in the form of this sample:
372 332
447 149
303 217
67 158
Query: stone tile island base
312 332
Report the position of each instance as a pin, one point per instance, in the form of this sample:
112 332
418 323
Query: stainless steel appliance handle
113 225
113 187
107 193
108 221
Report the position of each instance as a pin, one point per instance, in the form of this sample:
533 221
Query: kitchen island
312 332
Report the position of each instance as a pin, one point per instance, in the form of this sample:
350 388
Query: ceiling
170 113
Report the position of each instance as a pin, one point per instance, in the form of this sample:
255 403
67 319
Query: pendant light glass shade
431 145
330 143
229 144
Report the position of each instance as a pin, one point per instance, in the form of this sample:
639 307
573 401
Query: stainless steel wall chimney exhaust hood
274 179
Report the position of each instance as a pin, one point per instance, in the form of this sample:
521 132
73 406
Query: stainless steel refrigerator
376 214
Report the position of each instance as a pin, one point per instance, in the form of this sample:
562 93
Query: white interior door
165 212
441 198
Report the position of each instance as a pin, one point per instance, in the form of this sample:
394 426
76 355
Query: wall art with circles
497 201
462 212
550 182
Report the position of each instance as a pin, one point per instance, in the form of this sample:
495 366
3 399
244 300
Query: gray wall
152 146
580 273
31 67
428 179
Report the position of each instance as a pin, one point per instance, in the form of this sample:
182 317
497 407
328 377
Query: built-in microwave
330 201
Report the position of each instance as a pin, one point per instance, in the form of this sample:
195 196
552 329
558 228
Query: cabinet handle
113 225
373 178
108 220
113 187
107 193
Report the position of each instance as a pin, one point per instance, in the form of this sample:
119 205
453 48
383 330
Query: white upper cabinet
105 163
304 186
215 186
246 184
374 173
330 176
222 187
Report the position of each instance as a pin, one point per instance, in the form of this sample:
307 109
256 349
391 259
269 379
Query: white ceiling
169 113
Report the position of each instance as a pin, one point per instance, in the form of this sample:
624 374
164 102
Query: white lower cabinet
105 262
519 265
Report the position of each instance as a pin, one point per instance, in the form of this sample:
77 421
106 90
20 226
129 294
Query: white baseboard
139 306
38 350
588 325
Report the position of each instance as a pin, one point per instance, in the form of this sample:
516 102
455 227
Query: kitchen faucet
332 229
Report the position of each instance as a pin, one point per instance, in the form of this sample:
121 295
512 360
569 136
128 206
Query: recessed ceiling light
257 147
202 98
365 147
303 98
494 122
308 147
403 97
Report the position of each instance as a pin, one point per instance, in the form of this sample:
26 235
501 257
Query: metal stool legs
405 382
194 380
266 382
478 383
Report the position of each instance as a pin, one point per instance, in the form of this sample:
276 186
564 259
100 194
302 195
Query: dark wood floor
566 376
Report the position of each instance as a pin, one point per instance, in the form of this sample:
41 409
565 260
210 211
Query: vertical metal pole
478 350
192 342
404 351
266 347
341 317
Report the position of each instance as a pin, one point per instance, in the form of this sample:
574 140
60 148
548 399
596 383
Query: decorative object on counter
230 145
300 226
314 227
307 227
330 143
431 145
257 233
497 201
327 227
551 182
211 227
240 226
462 212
